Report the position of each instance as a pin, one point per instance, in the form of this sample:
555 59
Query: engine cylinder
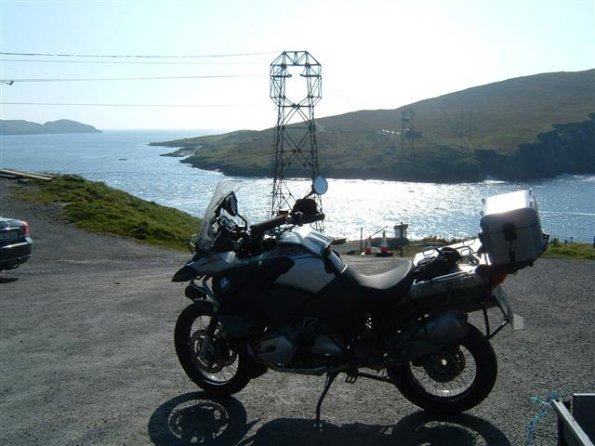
275 349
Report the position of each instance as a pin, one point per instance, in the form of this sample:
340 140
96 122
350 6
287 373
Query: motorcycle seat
352 289
390 280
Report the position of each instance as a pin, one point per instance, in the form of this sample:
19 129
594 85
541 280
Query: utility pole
295 98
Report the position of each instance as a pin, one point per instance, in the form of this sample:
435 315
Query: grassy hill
521 128
96 207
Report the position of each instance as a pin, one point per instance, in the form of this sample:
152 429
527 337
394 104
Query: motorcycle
276 295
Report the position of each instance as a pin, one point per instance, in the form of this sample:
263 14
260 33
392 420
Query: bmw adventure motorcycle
275 295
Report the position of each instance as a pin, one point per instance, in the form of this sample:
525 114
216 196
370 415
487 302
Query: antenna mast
295 149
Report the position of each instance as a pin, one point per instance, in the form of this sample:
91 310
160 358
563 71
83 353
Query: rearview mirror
320 185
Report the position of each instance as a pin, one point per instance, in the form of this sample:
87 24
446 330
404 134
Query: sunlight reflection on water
123 160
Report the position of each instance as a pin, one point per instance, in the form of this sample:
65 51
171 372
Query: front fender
184 274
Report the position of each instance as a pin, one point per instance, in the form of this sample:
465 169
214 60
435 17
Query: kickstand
330 377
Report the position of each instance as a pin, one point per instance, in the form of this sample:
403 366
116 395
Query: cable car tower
295 150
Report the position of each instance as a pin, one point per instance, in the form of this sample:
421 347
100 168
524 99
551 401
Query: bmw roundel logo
224 283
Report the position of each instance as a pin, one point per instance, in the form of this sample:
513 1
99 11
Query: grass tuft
95 207
574 250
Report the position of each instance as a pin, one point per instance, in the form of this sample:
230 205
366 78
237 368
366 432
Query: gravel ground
87 358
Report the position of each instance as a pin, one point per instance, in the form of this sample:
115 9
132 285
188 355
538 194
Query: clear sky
375 54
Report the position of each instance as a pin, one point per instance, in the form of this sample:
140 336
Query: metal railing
570 425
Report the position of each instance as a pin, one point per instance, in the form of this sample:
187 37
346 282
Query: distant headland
20 127
520 129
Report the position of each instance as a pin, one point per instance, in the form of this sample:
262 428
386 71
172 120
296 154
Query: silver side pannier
511 231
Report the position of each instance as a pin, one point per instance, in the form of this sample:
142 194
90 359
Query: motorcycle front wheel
452 379
205 354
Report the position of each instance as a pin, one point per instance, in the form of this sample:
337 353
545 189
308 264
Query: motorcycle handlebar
270 224
301 219
298 219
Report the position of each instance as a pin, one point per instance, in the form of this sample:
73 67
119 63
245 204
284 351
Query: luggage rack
469 249
474 254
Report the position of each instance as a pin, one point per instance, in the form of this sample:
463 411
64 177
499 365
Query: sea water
124 160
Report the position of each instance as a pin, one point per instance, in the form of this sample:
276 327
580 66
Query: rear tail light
25 228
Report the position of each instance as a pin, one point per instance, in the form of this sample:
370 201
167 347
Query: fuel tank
315 265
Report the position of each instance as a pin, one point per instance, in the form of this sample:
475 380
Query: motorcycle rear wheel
453 379
206 356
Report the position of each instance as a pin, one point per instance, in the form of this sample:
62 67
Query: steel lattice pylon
296 152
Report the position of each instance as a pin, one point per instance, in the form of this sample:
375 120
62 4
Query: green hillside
95 207
523 128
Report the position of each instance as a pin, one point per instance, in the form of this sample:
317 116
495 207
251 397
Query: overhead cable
129 105
214 76
138 56
127 62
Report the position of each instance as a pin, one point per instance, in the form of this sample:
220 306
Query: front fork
207 342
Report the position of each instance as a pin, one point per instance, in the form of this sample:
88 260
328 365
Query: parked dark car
15 243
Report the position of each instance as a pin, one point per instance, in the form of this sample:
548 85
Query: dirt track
86 357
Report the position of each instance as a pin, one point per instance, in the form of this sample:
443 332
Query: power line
214 76
137 56
129 105
126 62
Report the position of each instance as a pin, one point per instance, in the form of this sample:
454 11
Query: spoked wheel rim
452 379
446 374
212 355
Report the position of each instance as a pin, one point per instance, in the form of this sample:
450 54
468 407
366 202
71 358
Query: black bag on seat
444 263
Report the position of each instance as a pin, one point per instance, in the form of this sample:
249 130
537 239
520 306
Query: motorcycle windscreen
205 233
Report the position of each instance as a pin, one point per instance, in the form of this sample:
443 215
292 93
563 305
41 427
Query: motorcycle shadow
197 419
8 279
418 429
